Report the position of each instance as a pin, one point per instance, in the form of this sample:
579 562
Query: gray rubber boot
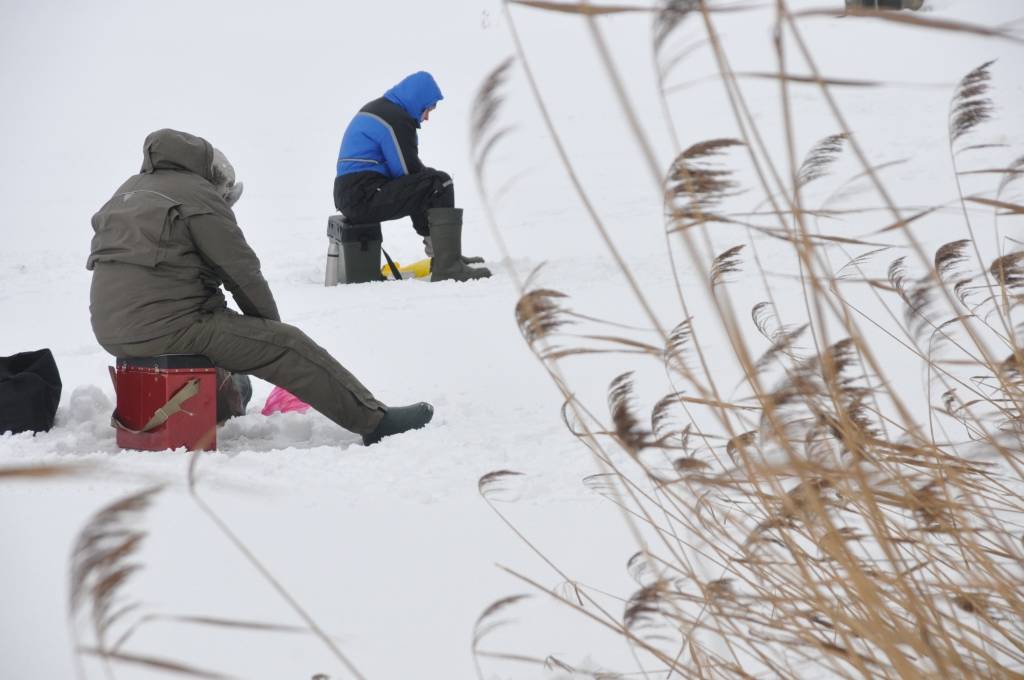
428 248
398 419
445 226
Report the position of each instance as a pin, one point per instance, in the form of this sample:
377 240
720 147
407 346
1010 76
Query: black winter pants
372 197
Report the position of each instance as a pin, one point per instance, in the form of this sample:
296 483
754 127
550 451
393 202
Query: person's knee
444 190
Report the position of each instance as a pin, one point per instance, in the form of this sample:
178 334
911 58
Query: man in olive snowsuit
163 246
380 176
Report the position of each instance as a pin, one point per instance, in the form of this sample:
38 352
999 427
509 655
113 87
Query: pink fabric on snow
283 401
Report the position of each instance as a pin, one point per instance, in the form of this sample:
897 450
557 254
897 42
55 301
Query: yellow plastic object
419 269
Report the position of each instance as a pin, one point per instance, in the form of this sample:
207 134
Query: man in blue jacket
380 176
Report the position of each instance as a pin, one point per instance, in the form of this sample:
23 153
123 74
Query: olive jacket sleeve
222 245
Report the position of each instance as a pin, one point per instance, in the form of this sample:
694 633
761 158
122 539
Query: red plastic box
146 385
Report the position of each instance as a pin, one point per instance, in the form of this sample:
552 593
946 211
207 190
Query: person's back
149 278
382 137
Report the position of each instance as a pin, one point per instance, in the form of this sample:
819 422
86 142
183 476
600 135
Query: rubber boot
445 226
399 419
428 248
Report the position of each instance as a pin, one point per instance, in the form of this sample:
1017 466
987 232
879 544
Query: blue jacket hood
415 94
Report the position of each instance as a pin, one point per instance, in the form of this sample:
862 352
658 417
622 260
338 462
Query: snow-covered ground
390 548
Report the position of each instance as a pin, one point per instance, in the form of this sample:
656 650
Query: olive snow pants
276 352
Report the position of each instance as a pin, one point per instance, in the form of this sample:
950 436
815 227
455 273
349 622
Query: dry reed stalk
41 472
103 561
848 539
275 583
587 436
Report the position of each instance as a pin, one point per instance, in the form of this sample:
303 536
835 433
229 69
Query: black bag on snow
29 392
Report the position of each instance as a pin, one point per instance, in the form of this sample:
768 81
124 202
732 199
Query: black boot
398 419
445 226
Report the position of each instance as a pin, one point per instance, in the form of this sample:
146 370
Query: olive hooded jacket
164 245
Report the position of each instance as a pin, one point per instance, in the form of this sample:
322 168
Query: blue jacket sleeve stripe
393 152
358 160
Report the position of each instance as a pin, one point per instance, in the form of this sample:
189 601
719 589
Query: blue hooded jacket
382 137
